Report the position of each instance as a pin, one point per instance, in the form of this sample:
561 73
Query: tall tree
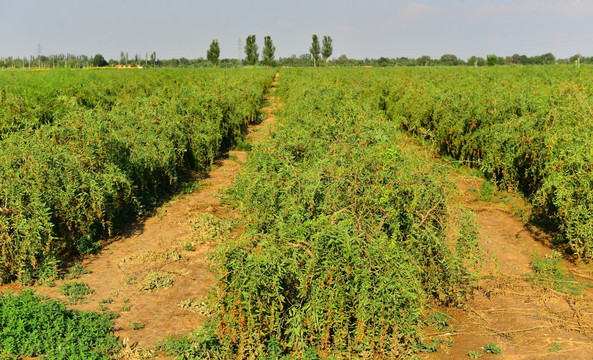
327 49
251 50
213 53
314 50
268 51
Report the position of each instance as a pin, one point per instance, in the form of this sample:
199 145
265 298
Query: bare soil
162 243
528 320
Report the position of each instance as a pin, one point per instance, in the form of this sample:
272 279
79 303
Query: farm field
378 213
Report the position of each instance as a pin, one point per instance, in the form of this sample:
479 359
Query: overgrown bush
108 154
527 128
349 235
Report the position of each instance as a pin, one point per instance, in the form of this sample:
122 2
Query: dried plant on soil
156 281
163 256
196 305
208 227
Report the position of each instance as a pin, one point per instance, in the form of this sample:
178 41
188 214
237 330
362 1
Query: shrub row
349 235
65 183
527 128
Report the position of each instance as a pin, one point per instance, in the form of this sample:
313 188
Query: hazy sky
371 28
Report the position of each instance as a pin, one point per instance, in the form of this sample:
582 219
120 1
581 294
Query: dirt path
170 243
528 321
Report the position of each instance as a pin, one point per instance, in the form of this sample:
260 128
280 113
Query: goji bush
527 128
109 146
349 234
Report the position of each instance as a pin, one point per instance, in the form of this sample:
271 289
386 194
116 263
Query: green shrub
492 348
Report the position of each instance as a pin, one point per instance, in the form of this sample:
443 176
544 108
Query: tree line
317 52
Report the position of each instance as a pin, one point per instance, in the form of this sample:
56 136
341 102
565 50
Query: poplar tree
251 50
327 49
268 52
213 53
314 50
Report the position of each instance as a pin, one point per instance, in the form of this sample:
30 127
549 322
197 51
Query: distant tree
383 61
476 61
99 61
449 59
122 58
153 58
548 58
251 50
184 62
315 50
423 60
268 51
327 49
576 59
519 59
342 60
491 60
213 53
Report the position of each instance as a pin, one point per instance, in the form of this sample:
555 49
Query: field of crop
351 233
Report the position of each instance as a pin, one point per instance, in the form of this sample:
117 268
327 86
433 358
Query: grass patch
126 305
200 344
550 272
188 246
136 325
555 348
77 270
243 145
76 292
439 320
190 187
487 191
